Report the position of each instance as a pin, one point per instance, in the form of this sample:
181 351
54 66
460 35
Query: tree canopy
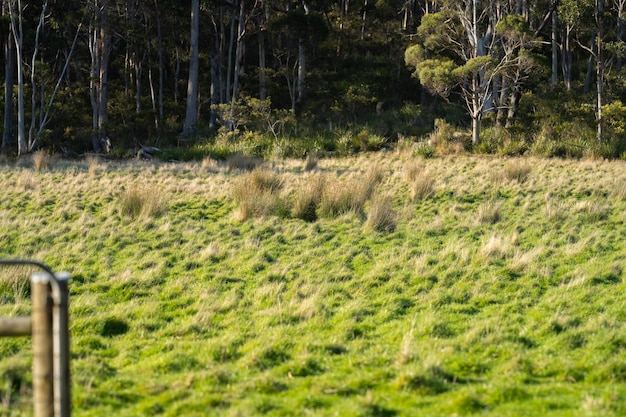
332 65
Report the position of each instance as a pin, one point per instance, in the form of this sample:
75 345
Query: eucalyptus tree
458 38
191 108
469 44
100 50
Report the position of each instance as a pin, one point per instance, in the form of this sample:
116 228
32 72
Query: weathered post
61 337
42 345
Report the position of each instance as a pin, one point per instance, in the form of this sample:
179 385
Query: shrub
381 216
424 149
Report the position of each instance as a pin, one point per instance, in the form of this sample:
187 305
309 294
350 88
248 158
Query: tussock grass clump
421 183
489 212
93 164
381 216
619 190
349 196
517 171
137 201
257 194
209 164
41 160
311 162
308 198
555 210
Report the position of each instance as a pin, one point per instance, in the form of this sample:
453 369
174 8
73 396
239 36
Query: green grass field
415 287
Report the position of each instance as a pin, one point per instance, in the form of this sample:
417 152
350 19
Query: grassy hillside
432 287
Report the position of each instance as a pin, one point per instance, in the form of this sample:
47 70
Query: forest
285 78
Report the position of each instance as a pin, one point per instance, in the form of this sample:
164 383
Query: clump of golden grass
311 162
27 181
93 163
517 171
421 184
381 217
554 210
619 190
41 160
209 164
308 198
349 196
257 194
139 201
488 212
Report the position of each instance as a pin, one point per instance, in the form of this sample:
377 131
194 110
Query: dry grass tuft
311 162
413 170
489 212
421 183
94 165
41 160
619 190
555 210
308 198
349 196
139 201
517 171
381 217
209 164
27 181
257 194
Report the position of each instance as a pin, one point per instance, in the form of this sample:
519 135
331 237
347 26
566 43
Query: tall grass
257 194
142 201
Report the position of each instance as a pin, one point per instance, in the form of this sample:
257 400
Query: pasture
378 285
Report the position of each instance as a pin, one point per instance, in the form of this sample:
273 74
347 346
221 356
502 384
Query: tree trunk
16 27
191 113
555 48
160 54
301 83
262 65
9 74
599 67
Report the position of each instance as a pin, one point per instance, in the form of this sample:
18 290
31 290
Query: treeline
288 77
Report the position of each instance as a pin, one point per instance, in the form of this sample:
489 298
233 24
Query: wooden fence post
42 345
61 337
